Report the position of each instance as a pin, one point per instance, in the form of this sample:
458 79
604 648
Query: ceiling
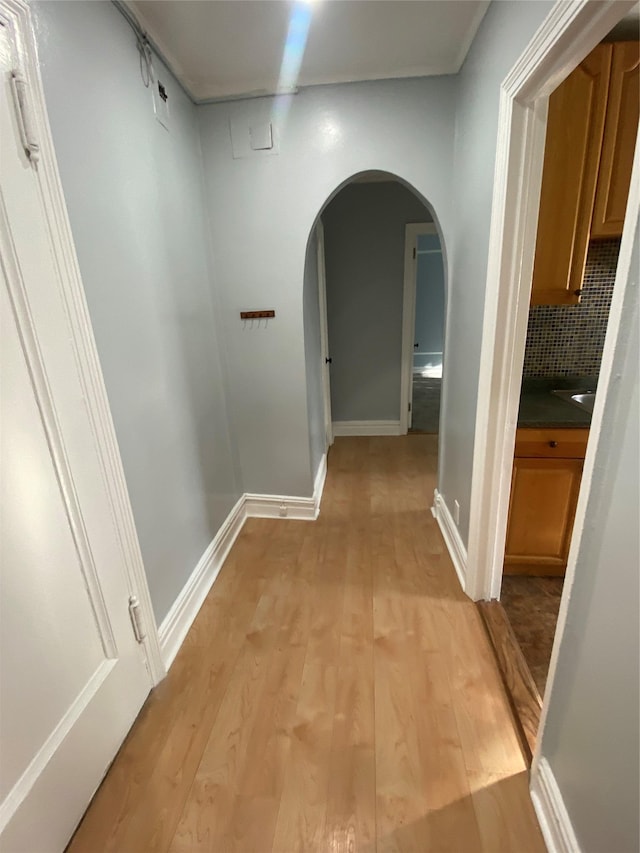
228 48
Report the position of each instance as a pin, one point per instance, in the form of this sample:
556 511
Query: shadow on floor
481 821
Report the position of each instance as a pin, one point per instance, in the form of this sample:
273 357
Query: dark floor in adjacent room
532 605
425 405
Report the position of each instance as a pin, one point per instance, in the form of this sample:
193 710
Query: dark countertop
540 408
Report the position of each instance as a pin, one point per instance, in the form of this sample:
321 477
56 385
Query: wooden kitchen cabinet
591 130
620 129
575 127
544 495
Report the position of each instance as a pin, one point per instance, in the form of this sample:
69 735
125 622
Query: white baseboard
318 483
367 428
454 543
176 624
551 811
280 506
185 608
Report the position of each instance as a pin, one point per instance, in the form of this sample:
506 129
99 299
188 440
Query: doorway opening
572 255
368 285
424 279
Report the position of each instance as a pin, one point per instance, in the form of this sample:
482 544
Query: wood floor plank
155 767
336 692
516 676
351 812
303 806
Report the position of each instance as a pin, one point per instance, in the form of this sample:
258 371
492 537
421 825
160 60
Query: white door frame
411 233
18 16
324 335
570 31
568 34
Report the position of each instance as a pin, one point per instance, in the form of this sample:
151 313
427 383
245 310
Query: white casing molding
176 624
566 36
551 811
368 428
451 536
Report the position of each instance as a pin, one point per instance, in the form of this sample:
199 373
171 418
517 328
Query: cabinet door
575 128
620 130
544 494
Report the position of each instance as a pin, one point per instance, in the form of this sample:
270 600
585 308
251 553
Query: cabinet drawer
551 443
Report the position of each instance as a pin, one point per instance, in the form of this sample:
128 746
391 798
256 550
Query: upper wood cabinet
620 128
591 130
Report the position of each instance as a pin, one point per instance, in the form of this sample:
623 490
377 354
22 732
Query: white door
72 676
324 336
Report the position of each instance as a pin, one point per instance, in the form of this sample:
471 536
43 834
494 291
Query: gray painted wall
504 32
313 356
262 208
134 196
364 251
142 236
591 736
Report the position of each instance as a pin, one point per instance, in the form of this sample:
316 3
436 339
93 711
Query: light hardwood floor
337 692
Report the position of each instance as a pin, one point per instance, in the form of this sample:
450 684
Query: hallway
336 692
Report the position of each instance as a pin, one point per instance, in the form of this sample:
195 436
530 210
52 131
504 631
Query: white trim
287 506
81 335
411 233
553 817
176 624
368 428
565 37
280 506
451 536
318 483
56 738
324 335
42 390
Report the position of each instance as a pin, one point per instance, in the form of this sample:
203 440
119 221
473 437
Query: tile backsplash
567 340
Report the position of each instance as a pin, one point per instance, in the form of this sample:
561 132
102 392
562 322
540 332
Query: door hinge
135 614
414 253
409 406
25 118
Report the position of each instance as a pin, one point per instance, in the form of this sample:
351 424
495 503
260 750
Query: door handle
415 346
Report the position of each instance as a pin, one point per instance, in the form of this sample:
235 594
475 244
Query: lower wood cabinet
544 495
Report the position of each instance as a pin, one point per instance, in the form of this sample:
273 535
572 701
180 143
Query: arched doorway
374 288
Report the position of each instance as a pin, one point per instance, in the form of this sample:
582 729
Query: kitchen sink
583 399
